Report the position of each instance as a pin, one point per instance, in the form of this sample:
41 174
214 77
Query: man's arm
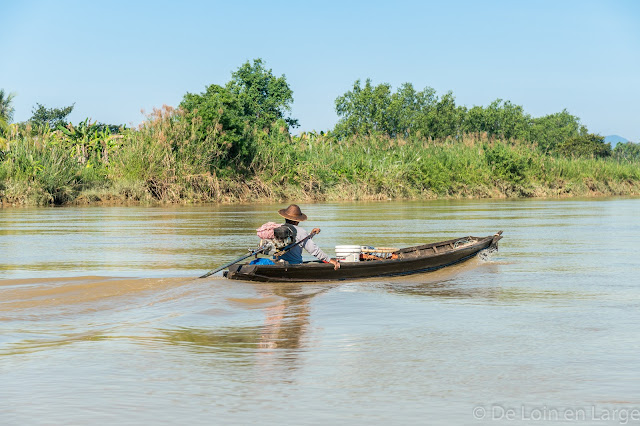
316 251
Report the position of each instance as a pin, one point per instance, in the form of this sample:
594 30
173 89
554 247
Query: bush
506 163
589 145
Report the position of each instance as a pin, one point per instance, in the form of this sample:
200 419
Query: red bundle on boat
265 232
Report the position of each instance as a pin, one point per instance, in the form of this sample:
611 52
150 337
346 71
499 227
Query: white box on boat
348 253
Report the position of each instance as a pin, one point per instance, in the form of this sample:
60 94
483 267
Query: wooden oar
256 251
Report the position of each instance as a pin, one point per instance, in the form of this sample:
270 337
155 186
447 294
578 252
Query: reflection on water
444 285
102 319
203 340
286 310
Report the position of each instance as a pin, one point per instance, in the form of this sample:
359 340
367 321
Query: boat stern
496 237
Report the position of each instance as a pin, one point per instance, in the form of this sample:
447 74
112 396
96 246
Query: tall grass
376 168
37 173
164 160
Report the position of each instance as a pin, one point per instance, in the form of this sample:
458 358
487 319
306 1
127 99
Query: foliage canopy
262 97
628 151
50 117
231 117
369 110
588 145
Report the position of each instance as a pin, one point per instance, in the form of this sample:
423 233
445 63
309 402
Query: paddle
261 249
256 251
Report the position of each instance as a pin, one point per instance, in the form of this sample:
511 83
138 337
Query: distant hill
615 140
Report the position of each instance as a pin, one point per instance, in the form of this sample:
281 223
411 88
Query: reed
375 168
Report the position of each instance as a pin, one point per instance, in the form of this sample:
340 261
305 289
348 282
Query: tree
501 119
262 97
402 111
474 120
551 130
6 115
50 117
588 145
514 123
217 119
225 121
6 109
442 119
628 151
365 110
370 109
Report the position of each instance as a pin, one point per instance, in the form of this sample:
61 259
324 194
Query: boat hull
411 260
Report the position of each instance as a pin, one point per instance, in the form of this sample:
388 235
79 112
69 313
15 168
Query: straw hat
293 212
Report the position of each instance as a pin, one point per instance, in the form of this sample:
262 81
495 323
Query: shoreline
93 199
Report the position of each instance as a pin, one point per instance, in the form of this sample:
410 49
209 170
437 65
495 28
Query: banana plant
90 141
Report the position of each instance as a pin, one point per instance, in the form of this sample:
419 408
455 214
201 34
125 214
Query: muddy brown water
103 321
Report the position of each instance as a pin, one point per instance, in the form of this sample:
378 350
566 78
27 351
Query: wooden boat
410 260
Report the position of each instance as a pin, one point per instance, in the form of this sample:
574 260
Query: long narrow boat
410 260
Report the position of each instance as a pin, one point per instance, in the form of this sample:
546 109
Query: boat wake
487 254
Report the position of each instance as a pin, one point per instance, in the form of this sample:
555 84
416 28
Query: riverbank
233 143
144 171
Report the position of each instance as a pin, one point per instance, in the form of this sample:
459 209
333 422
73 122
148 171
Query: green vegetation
51 118
584 146
407 113
233 143
6 115
627 151
225 120
6 110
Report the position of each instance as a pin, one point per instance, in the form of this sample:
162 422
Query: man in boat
293 216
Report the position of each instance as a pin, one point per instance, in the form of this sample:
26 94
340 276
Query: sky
114 59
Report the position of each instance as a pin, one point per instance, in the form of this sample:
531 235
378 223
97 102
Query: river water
102 319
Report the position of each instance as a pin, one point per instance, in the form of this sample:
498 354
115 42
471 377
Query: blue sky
114 58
